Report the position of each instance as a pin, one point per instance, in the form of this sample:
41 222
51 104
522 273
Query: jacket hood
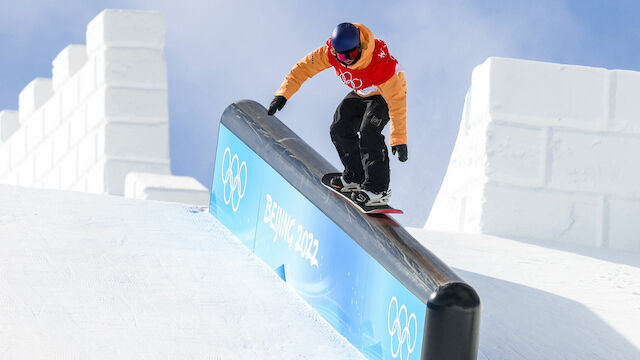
367 45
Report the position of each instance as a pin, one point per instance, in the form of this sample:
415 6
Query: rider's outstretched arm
306 68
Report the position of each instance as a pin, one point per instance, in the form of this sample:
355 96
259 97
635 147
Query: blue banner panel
347 286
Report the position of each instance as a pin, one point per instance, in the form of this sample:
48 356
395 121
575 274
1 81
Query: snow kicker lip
451 324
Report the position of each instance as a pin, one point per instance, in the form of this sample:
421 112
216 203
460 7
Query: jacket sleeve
306 68
394 92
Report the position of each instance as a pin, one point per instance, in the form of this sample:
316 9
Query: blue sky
221 51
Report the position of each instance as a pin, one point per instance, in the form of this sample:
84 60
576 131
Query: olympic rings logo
232 175
401 326
348 79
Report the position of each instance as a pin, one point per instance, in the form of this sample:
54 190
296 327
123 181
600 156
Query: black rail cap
454 294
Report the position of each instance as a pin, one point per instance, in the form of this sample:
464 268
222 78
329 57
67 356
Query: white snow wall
546 152
103 114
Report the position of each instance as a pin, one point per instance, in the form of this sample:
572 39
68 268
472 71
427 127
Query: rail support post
452 324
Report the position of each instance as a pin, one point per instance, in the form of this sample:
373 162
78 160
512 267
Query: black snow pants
365 157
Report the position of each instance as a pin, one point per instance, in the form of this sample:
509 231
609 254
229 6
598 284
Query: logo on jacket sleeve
234 179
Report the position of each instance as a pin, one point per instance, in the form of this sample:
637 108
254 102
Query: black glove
402 151
276 104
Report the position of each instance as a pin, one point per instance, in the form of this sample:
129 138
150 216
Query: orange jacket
393 90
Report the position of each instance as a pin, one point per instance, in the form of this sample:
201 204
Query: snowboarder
379 94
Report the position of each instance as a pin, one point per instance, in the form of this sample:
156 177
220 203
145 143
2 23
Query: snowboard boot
339 184
368 198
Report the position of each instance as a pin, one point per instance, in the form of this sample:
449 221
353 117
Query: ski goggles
348 55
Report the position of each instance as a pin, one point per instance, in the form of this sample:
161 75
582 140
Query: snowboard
383 209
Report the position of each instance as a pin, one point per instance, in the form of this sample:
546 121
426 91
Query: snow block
43 160
624 226
595 162
69 93
26 173
34 95
125 28
134 67
80 185
5 160
135 141
542 215
60 140
77 126
548 94
35 131
11 179
67 63
95 179
136 103
51 180
68 170
515 154
53 113
95 109
87 79
181 189
18 146
625 116
115 172
545 152
87 154
127 103
9 124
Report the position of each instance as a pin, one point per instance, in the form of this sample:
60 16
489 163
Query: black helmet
345 37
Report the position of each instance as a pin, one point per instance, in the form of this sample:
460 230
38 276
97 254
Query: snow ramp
366 275
86 276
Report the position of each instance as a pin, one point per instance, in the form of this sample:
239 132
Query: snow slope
90 277
543 301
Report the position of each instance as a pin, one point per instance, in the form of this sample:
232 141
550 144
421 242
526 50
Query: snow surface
95 276
92 276
544 300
